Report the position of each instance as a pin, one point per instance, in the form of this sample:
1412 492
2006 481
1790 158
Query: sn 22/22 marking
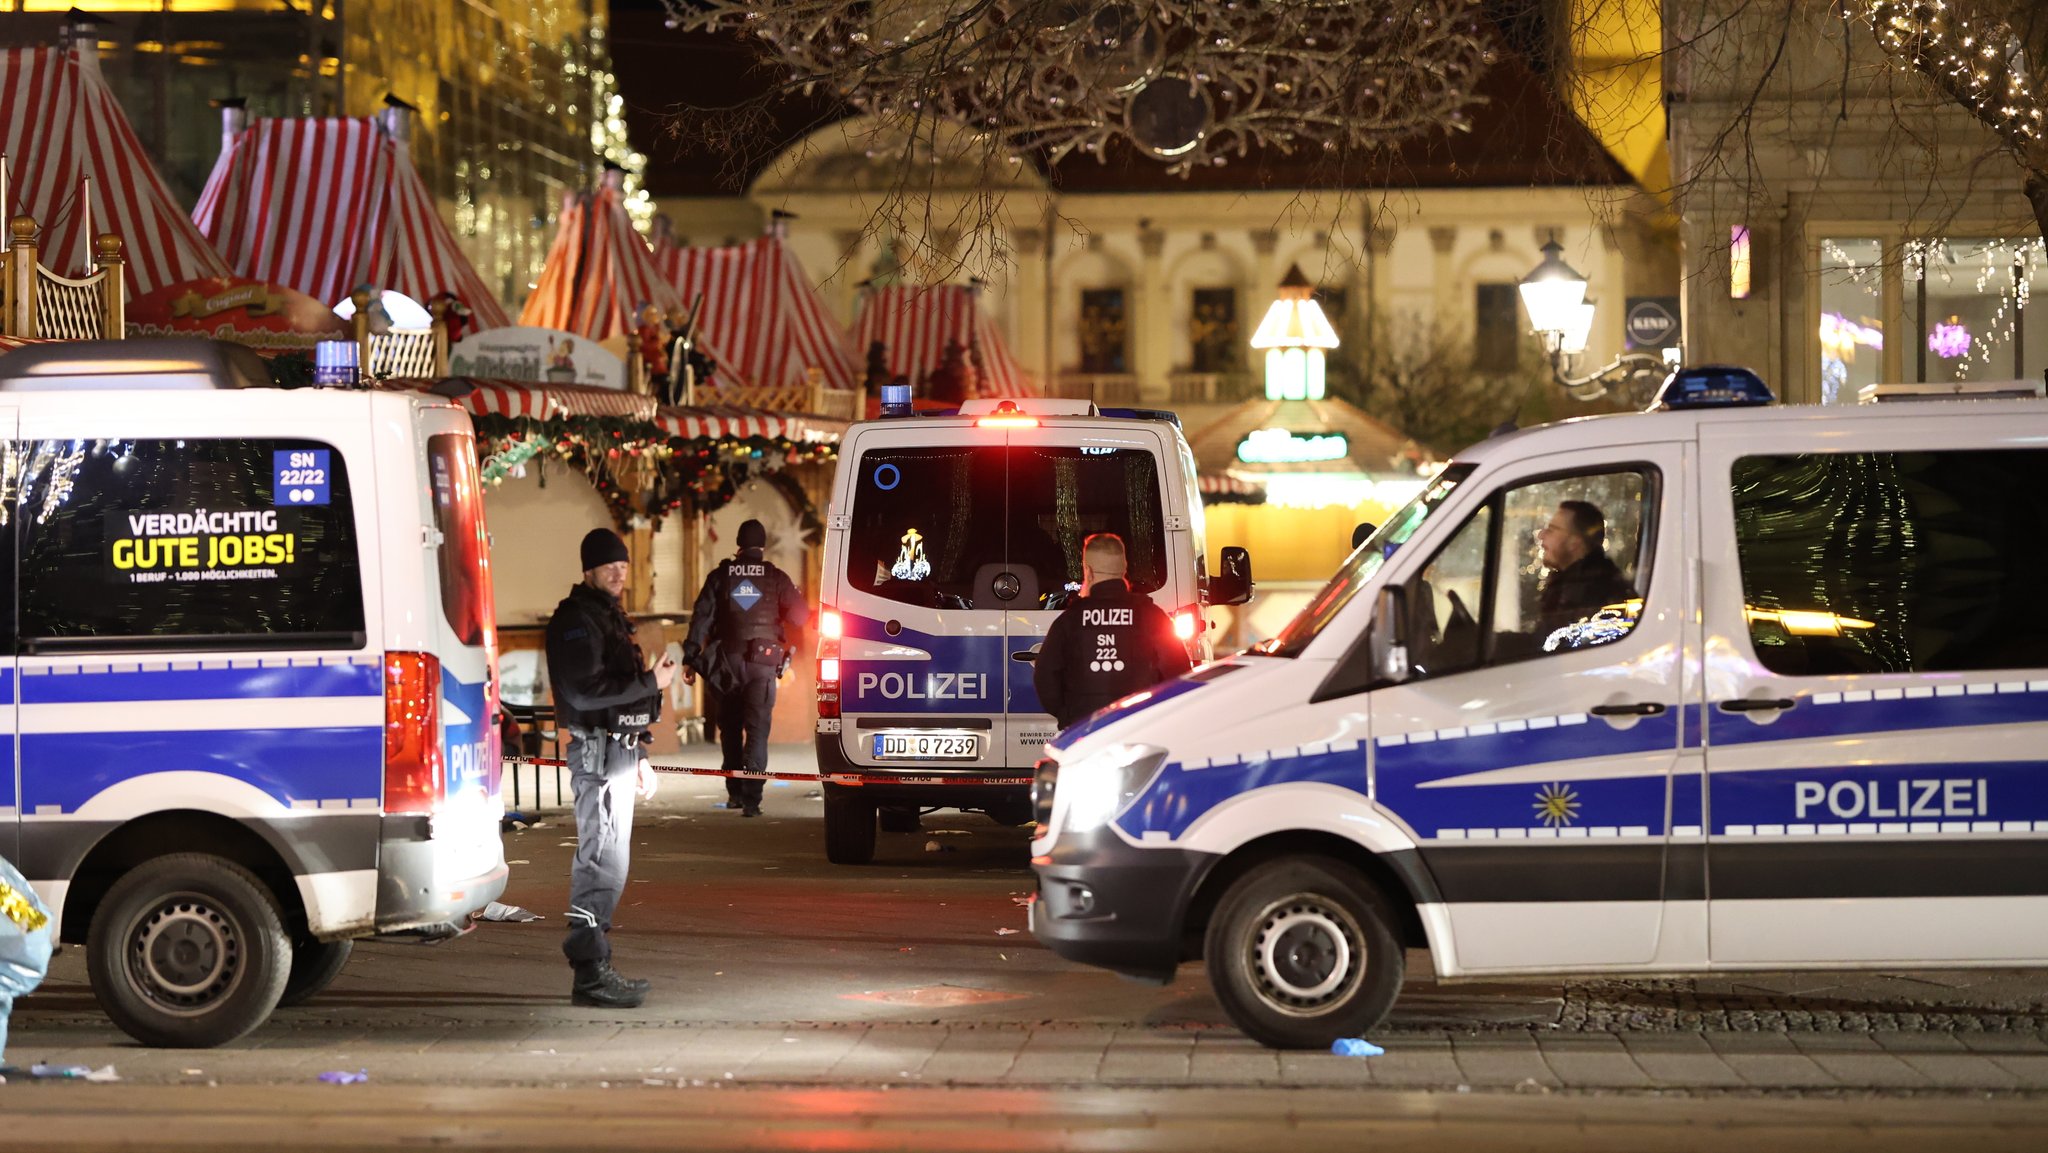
1848 800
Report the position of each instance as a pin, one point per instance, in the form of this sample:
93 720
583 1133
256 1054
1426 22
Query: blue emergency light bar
896 400
1712 386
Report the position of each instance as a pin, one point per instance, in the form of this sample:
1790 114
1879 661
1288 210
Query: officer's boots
599 985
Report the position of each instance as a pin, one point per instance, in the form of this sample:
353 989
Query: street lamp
1294 335
1559 313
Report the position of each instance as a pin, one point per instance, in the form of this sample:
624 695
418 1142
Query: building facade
1844 224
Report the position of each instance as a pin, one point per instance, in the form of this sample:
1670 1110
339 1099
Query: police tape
828 778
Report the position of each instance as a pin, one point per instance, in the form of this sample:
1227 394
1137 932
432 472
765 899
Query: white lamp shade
1577 329
1295 324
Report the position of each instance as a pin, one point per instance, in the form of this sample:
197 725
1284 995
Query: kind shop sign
201 545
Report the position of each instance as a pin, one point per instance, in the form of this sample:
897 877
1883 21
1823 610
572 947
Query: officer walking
748 619
1107 645
607 696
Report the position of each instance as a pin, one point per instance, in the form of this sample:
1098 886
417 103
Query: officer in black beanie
606 695
747 622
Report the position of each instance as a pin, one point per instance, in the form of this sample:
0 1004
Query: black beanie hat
602 546
752 535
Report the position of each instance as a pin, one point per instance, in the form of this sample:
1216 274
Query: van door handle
1645 709
1745 705
1025 655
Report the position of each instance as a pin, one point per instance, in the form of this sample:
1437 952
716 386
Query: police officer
1107 645
747 621
607 696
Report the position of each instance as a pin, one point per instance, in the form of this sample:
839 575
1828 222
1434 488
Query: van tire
1312 905
849 826
315 965
188 951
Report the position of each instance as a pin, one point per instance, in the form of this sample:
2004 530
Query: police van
1808 730
250 686
953 541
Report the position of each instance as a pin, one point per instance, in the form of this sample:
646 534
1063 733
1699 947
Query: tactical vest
748 607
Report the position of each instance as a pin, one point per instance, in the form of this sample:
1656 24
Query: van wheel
187 951
1300 952
849 826
315 965
897 819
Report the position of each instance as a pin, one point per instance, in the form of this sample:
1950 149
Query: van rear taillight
415 776
829 629
1187 623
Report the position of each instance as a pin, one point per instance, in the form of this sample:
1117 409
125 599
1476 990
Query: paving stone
1502 1064
1961 1070
2029 1070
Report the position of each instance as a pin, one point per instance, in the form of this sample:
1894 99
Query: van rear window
152 545
465 551
939 527
1893 562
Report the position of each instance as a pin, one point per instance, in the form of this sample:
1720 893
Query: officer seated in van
1584 599
1583 579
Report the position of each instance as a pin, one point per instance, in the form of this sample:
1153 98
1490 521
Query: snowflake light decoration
1185 81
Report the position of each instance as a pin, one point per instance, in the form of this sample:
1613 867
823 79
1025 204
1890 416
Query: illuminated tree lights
1184 80
640 469
1973 53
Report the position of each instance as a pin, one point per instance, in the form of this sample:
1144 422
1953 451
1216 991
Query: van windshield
940 527
1359 568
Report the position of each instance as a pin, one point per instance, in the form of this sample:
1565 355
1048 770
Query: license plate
933 746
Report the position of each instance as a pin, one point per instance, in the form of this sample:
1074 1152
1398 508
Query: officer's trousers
745 714
604 773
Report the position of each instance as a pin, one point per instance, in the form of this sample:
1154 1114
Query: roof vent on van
1712 386
156 363
1950 390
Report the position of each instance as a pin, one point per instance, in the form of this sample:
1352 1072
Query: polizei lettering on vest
1106 618
747 570
924 686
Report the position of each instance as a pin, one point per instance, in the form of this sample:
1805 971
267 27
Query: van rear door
921 661
464 635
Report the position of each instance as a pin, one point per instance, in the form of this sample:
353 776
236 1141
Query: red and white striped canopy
761 310
599 271
322 205
543 402
59 124
738 423
916 323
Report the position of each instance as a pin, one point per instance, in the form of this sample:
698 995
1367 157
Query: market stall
374 223
63 134
761 310
599 272
917 327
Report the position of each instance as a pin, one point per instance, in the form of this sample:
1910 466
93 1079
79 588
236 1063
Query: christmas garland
642 471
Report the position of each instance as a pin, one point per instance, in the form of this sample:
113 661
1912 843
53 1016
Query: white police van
952 542
250 687
1813 733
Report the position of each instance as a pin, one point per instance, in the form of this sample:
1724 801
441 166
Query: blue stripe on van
68 769
340 680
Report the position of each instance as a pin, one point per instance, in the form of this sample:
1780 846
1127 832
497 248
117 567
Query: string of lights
1971 52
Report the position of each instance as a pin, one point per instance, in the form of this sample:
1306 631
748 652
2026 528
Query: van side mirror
1385 637
1233 585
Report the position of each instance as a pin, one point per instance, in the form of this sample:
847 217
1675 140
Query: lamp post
1559 313
1293 335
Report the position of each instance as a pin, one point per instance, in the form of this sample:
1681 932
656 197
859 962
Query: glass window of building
1972 311
1212 331
1851 316
1105 332
1497 330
